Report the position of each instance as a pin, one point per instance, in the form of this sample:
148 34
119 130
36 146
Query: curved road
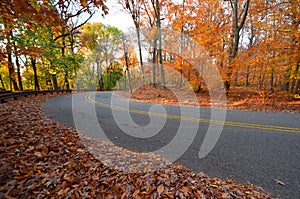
254 147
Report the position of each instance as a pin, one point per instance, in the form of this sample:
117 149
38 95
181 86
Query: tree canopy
252 43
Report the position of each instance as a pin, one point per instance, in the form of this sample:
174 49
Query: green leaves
101 69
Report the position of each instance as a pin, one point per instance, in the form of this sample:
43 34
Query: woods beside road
250 43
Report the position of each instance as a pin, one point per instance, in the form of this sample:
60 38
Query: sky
116 17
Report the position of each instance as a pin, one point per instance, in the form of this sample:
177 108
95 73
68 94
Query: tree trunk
2 83
181 47
259 78
160 47
11 72
296 86
127 64
67 80
247 76
19 73
63 56
297 81
251 39
236 78
54 82
36 82
154 62
272 81
125 81
140 51
254 74
236 37
17 64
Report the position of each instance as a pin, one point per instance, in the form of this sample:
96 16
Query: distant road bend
254 147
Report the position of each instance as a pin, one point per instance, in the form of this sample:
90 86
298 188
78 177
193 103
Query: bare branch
245 12
72 31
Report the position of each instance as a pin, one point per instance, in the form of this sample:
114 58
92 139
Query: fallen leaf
160 189
37 153
280 182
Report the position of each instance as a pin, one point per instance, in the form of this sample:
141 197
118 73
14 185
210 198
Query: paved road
254 147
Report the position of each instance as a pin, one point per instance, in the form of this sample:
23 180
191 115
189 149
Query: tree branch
74 28
244 14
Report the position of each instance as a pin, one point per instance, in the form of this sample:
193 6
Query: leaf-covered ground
40 158
238 99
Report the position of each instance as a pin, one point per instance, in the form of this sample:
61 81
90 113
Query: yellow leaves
296 96
84 3
35 5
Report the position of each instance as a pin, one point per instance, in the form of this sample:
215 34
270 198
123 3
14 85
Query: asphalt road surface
253 147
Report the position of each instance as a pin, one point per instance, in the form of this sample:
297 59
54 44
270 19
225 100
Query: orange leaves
30 12
269 37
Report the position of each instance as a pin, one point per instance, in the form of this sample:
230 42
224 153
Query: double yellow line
89 99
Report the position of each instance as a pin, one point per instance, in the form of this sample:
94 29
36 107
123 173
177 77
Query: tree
126 57
134 9
239 19
102 45
153 15
19 19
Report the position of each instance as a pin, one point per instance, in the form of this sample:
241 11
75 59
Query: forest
50 44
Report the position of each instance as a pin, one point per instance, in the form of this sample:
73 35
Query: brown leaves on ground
40 158
238 98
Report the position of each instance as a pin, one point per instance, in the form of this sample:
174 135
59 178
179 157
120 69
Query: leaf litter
41 158
238 99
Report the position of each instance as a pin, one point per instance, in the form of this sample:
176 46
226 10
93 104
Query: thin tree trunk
297 86
127 64
140 51
181 46
19 73
254 74
36 82
67 80
11 72
236 79
236 37
72 43
98 77
63 56
54 81
259 78
272 80
162 72
17 64
297 81
247 76
125 81
2 83
154 62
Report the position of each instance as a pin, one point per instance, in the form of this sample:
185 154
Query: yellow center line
89 99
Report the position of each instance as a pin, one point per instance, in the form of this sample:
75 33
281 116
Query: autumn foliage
252 43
